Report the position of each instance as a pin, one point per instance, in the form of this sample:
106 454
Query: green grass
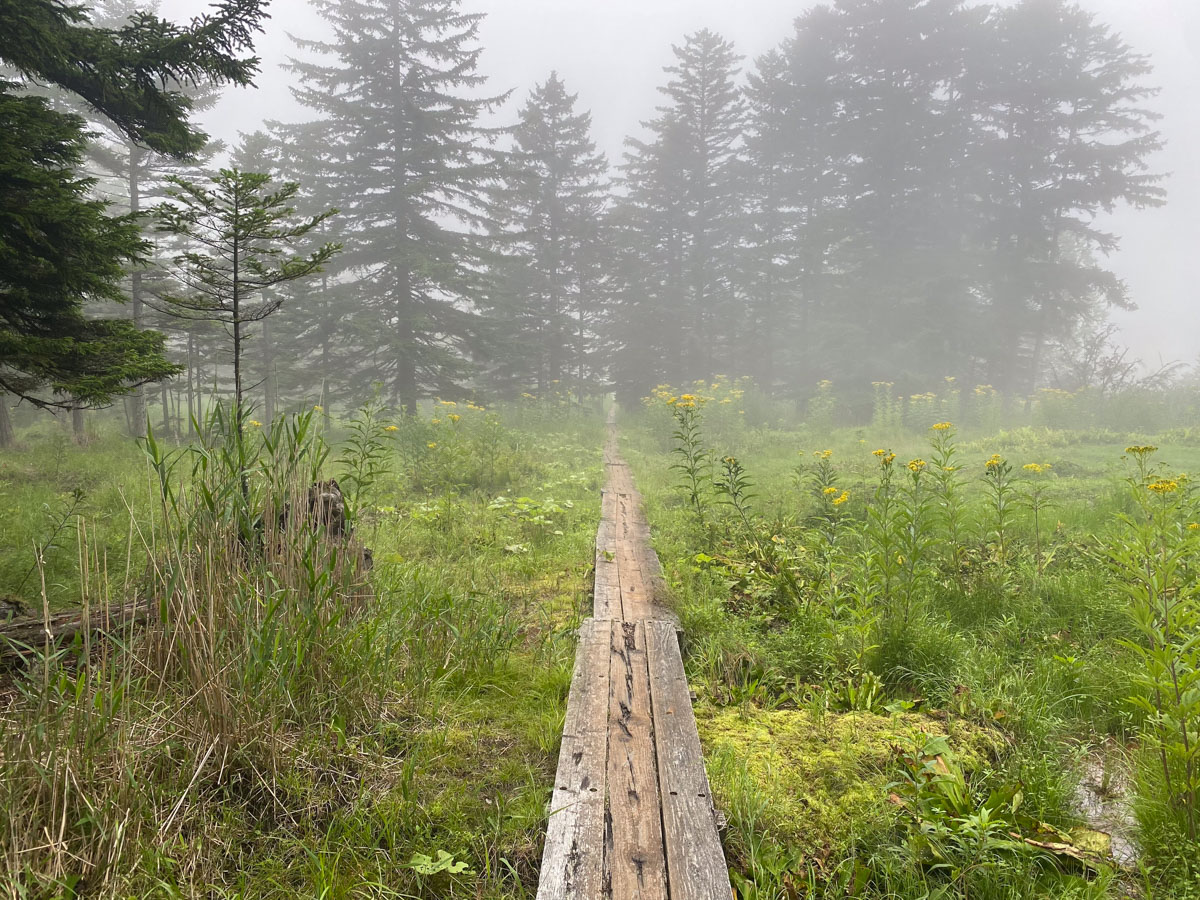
291 730
296 727
783 639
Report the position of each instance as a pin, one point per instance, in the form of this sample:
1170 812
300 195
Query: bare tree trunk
137 401
270 388
78 426
165 399
193 413
7 436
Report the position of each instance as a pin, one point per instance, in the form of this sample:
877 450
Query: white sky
611 52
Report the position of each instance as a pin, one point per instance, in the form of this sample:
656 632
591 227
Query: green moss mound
816 783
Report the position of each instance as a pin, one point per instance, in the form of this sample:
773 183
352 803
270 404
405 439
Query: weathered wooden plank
608 504
695 860
634 605
636 863
606 588
572 862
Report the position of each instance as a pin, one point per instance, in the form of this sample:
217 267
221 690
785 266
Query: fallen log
26 636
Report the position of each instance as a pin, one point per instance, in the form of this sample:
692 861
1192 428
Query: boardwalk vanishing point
631 814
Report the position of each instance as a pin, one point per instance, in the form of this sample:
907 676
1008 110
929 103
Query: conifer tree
59 248
314 339
794 195
680 221
549 282
132 177
398 102
905 143
1061 100
241 231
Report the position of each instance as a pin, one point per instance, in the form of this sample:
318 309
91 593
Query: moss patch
815 784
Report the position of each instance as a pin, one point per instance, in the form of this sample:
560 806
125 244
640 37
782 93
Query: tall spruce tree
314 341
59 248
399 104
794 190
548 280
1062 102
906 139
680 221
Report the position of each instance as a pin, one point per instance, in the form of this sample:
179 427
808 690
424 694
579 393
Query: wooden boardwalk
631 814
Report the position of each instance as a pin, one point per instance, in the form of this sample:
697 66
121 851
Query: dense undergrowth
292 723
929 663
925 658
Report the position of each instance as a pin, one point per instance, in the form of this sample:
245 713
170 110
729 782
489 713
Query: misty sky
611 52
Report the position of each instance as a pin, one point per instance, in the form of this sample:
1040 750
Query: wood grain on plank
606 590
694 857
572 862
636 864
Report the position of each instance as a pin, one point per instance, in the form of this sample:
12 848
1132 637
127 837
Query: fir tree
242 231
58 246
549 282
1061 100
133 177
794 191
905 142
397 103
682 216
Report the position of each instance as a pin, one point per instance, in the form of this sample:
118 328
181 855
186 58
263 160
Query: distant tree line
901 190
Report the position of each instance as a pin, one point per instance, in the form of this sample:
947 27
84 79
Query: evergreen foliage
59 248
237 233
680 222
400 141
911 193
549 278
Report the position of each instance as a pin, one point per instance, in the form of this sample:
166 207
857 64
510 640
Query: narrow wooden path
631 814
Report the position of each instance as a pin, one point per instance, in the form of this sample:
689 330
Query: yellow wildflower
942 426
432 445
1141 450
842 499
319 409
1163 486
391 428
454 417
995 462
254 423
823 454
916 465
1193 526
880 452
830 490
1036 468
436 421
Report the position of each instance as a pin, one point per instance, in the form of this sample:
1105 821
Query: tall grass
286 721
1046 600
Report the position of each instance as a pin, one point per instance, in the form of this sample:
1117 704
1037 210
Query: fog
612 54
